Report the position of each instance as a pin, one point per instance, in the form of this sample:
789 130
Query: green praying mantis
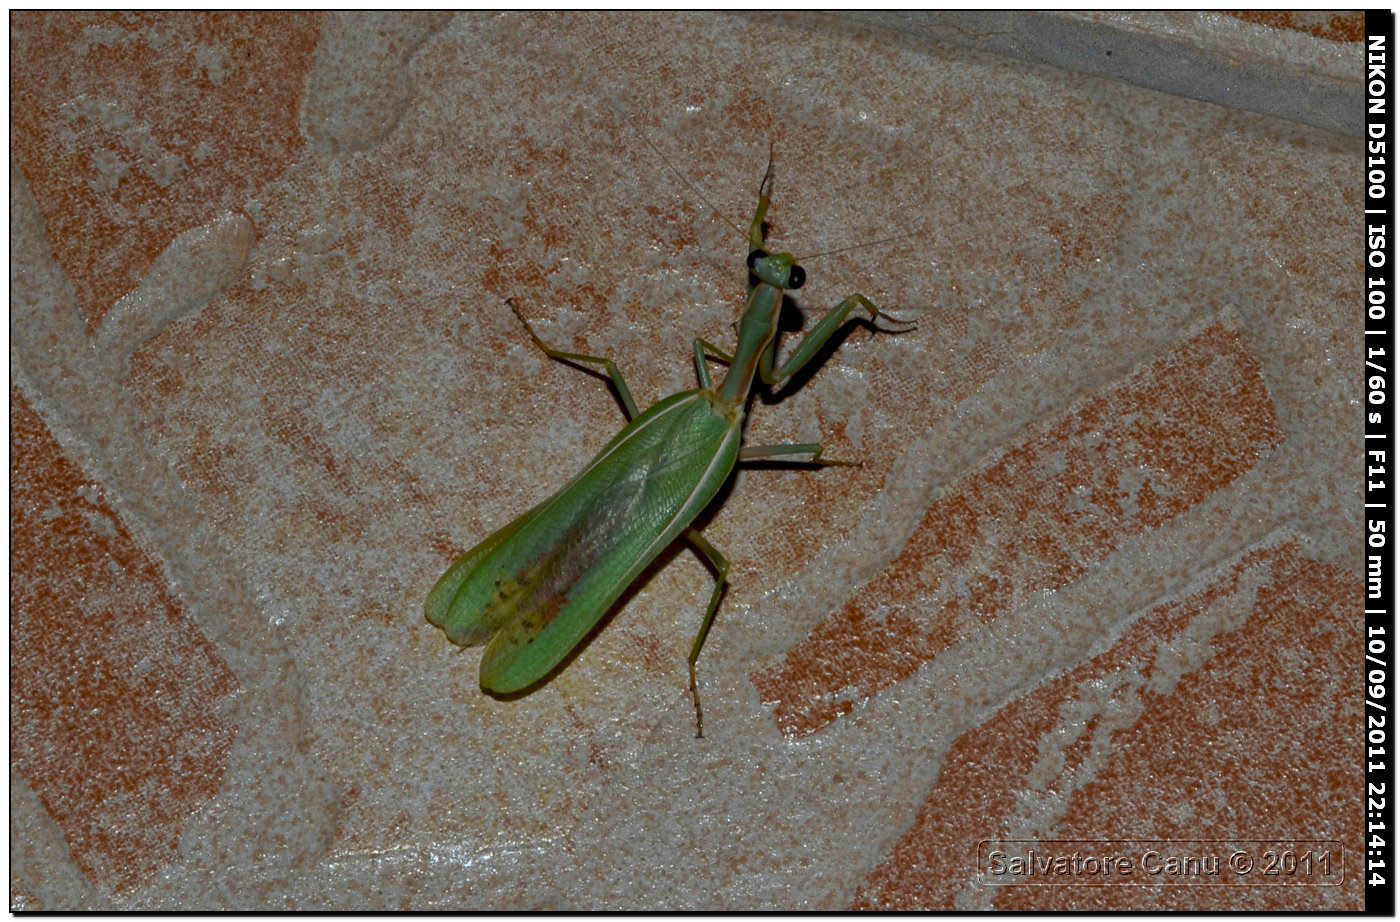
536 588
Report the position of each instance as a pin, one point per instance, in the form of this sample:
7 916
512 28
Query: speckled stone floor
1097 580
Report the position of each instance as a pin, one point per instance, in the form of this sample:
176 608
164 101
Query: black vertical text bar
1379 715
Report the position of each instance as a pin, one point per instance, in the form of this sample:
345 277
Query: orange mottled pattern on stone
1335 27
153 124
1126 460
115 695
1251 735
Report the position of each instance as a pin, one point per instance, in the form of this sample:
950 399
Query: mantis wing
539 585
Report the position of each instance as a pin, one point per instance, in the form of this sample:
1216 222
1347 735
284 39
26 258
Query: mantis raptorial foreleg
813 342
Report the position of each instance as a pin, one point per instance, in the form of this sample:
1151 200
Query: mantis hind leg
629 405
720 563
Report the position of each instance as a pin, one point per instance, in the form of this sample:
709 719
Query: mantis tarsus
535 588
